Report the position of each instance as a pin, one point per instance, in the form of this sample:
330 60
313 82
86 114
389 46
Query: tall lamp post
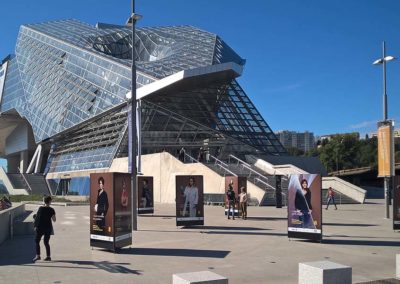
382 61
132 20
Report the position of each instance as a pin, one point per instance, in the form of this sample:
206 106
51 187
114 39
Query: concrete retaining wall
164 168
344 187
7 219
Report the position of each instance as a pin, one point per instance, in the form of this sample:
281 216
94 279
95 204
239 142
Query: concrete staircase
32 183
255 176
37 183
17 181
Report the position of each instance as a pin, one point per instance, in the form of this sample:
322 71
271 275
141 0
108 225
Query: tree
293 151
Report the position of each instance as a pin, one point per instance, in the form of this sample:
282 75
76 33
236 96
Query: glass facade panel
69 80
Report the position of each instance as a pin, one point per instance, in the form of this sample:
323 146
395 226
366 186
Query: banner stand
110 211
189 200
305 207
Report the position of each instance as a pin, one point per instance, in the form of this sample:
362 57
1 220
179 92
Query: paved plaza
256 250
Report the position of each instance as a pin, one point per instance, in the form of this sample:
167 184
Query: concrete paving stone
252 251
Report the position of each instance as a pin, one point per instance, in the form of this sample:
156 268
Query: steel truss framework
69 80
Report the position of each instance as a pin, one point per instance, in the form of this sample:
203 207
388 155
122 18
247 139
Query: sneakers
47 258
36 258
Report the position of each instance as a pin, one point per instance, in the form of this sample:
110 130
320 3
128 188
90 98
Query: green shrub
34 197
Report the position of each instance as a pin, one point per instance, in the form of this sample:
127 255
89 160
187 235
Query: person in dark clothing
181 154
101 206
230 194
200 157
146 195
5 203
44 227
302 203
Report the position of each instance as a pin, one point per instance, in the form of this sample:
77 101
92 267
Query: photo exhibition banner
305 207
145 195
189 200
236 183
110 210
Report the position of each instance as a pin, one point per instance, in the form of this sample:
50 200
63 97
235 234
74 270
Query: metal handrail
219 161
263 182
239 160
227 170
255 172
193 160
26 181
248 166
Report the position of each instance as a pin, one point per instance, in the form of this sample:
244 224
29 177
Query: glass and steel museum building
63 105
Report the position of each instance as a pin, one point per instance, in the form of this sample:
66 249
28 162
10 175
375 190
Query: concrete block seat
203 277
324 272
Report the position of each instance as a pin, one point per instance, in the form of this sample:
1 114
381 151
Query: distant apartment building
301 140
330 136
396 133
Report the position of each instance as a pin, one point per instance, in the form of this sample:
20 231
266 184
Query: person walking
230 194
44 227
243 202
331 198
181 154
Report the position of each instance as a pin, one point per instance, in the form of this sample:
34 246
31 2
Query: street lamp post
134 17
382 61
337 156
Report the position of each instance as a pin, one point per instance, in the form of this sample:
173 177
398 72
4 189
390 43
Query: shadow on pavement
19 250
112 267
159 216
245 233
228 228
349 225
362 243
267 218
176 252
352 236
103 265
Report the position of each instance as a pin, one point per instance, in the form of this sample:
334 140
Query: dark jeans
331 199
45 240
307 220
231 205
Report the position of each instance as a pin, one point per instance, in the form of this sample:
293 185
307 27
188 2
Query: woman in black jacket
101 206
302 203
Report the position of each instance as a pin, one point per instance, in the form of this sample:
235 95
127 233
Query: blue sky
309 63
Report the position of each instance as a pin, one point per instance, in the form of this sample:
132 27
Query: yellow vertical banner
385 151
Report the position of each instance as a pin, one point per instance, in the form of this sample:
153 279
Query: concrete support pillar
23 161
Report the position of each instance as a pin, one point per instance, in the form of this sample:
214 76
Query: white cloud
363 124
